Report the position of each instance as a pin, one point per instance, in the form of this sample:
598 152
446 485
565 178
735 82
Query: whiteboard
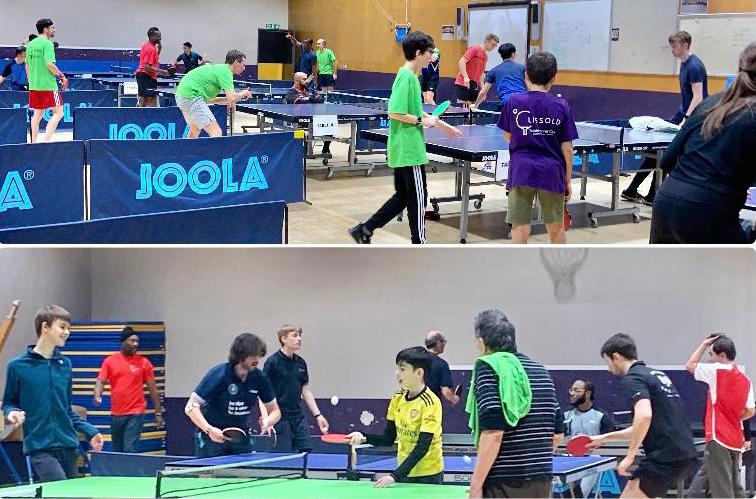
642 46
509 22
577 33
718 39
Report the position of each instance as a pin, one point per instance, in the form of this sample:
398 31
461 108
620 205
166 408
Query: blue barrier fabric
131 123
260 223
41 184
71 100
13 126
154 176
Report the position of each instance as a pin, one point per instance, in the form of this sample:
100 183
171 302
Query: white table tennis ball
334 400
467 459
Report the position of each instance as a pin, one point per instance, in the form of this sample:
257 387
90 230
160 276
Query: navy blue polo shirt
692 71
190 61
439 376
287 376
306 61
228 400
507 78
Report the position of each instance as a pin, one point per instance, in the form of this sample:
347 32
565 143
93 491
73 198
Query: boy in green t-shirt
201 87
406 144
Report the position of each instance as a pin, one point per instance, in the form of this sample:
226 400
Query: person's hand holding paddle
596 442
216 435
266 427
356 438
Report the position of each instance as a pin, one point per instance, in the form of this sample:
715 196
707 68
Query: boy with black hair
188 58
540 129
659 423
730 401
507 78
38 391
16 70
225 396
406 144
414 421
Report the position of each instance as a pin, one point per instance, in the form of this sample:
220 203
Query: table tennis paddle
234 435
441 109
567 219
577 446
335 438
457 389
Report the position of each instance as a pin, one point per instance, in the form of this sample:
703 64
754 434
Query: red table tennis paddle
567 219
577 446
335 438
234 435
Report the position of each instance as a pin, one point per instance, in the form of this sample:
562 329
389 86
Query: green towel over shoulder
514 390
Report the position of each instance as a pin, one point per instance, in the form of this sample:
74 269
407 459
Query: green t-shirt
206 81
325 61
39 52
406 142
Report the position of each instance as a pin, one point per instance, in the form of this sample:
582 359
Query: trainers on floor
647 201
360 234
633 197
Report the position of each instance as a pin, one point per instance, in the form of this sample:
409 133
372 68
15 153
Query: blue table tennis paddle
441 109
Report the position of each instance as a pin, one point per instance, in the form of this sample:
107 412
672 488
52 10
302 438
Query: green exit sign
272 26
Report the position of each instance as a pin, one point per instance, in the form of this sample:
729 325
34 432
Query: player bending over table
201 87
225 396
38 390
659 423
413 420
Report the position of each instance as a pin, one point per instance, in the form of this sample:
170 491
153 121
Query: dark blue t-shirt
306 61
190 61
507 78
228 400
692 71
439 375
17 73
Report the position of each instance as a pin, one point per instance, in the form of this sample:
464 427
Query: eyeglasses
573 390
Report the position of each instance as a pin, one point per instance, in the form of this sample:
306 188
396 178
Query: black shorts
429 83
293 434
465 94
326 81
656 478
147 85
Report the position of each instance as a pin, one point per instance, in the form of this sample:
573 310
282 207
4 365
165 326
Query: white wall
359 307
41 277
212 27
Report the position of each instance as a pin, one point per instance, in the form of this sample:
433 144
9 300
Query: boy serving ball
413 420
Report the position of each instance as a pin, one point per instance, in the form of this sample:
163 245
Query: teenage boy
288 375
225 398
189 58
128 372
540 129
16 70
659 423
406 144
414 421
472 65
507 78
201 87
42 74
38 391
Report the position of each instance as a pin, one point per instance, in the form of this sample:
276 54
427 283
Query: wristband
317 415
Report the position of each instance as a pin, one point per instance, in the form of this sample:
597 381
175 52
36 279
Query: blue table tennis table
485 143
303 116
457 470
117 83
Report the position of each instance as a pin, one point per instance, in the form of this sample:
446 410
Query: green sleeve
399 102
331 56
49 52
227 80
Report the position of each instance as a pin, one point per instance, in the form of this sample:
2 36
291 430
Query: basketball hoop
563 264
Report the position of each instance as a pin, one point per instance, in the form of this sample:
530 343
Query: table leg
353 143
616 167
584 178
464 185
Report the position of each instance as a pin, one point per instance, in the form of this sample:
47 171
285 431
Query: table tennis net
186 482
357 100
30 491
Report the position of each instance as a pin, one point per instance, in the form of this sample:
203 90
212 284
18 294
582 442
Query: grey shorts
196 111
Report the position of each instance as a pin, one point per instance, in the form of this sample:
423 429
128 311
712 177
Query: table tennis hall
315 167
188 308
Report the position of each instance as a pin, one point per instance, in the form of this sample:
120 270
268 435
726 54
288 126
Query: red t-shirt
148 54
127 376
476 64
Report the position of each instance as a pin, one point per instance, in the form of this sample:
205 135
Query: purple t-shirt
539 123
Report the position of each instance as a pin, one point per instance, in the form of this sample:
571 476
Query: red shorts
44 99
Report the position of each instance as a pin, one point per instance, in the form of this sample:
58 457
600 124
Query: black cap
127 331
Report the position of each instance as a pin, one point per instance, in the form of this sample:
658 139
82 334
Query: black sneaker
360 234
633 197
647 201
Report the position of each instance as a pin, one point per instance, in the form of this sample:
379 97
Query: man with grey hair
513 413
439 379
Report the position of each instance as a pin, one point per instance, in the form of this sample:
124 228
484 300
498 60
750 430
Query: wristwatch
419 120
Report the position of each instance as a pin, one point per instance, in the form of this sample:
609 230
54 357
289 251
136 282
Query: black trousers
410 194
